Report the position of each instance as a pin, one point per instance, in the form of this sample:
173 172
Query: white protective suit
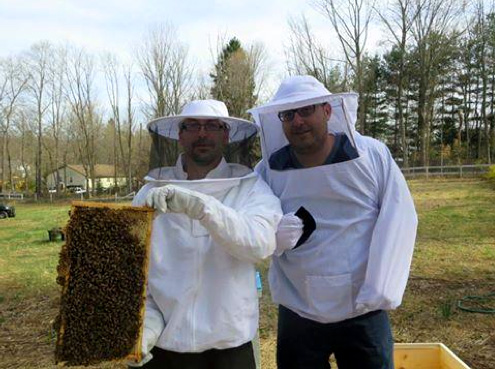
201 285
358 258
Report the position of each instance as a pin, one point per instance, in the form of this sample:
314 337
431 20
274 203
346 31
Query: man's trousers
363 342
241 357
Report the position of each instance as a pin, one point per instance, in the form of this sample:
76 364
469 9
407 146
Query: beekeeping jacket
202 274
358 258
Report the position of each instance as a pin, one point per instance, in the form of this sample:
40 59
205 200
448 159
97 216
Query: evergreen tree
374 98
234 84
234 80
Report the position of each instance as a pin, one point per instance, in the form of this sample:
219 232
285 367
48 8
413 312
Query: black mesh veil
165 148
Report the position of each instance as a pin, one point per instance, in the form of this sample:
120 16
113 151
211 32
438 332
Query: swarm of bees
102 270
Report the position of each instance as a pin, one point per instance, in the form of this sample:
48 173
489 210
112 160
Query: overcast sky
118 25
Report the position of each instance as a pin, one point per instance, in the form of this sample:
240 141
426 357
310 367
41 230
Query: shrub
491 173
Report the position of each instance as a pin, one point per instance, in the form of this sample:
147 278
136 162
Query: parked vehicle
76 189
6 211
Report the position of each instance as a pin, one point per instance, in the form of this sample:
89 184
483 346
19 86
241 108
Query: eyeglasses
287 116
208 127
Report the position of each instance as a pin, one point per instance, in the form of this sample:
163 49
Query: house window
70 179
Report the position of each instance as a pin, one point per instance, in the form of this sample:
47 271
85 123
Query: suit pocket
330 296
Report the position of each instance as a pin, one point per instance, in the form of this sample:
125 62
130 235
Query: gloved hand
290 229
294 229
175 199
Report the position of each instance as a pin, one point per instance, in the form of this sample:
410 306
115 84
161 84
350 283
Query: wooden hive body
425 356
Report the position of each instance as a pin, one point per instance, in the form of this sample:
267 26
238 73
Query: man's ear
327 108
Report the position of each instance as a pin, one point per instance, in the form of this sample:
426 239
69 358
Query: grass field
454 258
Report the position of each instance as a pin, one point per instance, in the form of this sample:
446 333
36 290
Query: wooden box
425 356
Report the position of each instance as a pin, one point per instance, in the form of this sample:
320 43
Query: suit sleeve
392 242
249 232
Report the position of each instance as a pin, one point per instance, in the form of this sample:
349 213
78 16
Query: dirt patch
27 339
429 313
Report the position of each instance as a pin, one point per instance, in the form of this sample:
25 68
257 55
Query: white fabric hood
298 91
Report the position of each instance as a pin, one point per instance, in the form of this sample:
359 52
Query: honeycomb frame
80 262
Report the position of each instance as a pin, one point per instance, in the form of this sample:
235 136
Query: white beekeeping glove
289 230
293 230
175 199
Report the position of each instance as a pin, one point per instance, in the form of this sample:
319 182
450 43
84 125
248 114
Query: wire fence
460 171
53 197
12 196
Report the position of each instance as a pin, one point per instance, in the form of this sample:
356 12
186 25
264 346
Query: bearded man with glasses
203 141
345 242
215 219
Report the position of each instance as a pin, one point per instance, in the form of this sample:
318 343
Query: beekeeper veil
166 149
296 92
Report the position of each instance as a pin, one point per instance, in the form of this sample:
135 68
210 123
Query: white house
73 175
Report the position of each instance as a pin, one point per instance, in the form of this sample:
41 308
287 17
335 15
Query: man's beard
203 158
310 145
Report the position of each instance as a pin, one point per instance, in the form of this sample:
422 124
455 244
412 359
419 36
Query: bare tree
483 65
350 20
201 89
57 112
124 128
141 148
305 55
83 110
26 145
163 62
258 60
39 58
434 33
399 17
13 81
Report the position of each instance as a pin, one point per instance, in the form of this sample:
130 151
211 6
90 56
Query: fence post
460 171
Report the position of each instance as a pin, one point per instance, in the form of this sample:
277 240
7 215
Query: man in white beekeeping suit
215 220
345 243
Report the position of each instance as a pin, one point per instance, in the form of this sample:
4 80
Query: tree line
61 105
429 94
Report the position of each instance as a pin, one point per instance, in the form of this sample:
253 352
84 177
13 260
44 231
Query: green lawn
454 257
28 260
456 235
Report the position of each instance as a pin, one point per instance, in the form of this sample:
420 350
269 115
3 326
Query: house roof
101 170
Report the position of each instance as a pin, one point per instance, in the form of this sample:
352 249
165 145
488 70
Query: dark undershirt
342 150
